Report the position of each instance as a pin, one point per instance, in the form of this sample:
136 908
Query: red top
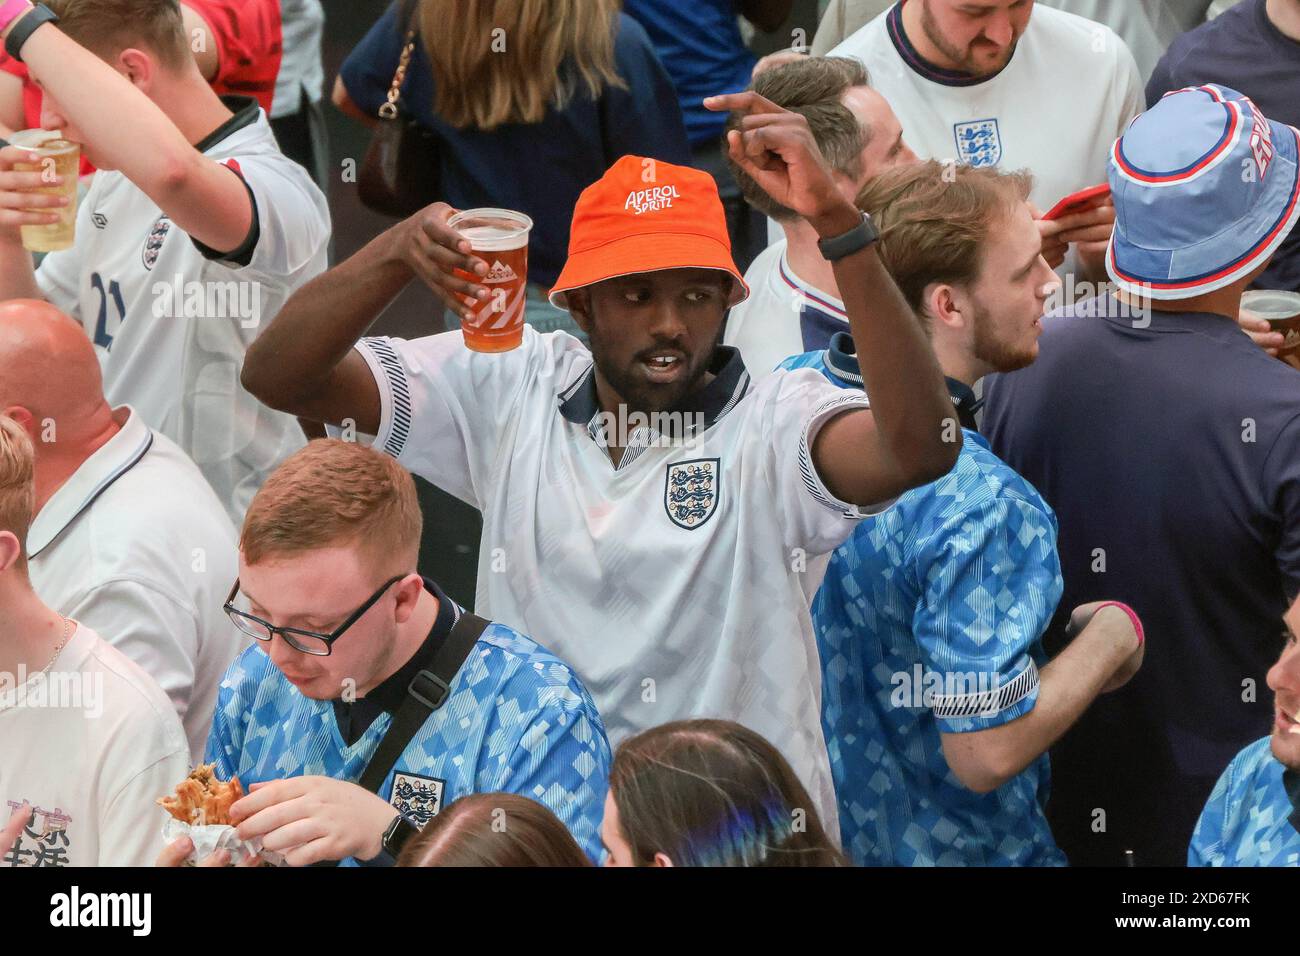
248 45
247 33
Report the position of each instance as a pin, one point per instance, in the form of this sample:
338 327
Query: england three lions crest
417 798
154 243
979 143
691 492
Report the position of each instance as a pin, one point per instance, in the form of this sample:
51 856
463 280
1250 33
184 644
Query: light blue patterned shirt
929 621
1247 820
516 719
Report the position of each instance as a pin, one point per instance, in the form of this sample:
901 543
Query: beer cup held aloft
500 238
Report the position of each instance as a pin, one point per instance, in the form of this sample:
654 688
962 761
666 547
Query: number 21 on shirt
113 292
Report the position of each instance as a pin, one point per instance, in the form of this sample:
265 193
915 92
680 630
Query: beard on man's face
999 352
967 60
640 394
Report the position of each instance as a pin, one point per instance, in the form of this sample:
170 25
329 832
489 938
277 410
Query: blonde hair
935 220
504 61
335 493
17 482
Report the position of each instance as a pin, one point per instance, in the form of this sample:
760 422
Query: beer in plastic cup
60 157
1282 312
500 238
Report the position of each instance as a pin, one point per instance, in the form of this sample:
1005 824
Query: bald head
48 367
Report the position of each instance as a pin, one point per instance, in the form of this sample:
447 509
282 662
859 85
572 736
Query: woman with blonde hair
530 102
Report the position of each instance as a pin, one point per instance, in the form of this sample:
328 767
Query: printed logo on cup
650 200
500 272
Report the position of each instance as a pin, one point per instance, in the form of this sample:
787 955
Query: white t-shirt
675 583
783 315
90 746
1056 109
136 546
171 325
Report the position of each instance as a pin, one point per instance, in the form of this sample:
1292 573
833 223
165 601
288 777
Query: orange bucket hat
644 215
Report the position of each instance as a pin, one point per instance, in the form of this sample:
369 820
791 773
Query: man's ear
943 304
138 67
10 550
580 308
408 594
25 419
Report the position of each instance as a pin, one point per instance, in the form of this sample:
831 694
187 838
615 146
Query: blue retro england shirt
929 621
516 719
1252 816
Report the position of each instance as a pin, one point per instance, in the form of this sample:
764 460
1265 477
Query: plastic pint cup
500 238
59 157
1282 311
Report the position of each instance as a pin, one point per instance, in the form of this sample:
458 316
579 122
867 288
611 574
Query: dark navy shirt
1171 456
1242 49
701 47
536 168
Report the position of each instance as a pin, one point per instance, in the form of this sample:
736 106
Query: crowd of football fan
944 484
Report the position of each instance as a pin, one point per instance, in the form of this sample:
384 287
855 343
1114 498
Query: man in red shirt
236 44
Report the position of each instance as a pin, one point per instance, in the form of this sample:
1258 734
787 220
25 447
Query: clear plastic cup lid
1272 303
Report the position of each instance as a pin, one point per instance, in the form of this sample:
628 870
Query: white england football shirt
1056 108
171 324
782 314
136 546
90 746
674 583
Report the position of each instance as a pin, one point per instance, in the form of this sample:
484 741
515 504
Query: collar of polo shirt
110 462
580 404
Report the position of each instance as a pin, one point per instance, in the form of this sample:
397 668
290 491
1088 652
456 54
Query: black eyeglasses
309 642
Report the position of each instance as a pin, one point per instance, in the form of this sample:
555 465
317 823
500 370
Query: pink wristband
11 10
1132 616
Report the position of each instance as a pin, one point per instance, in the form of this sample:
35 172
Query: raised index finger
744 102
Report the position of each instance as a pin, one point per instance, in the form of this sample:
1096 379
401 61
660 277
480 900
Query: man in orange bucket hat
649 514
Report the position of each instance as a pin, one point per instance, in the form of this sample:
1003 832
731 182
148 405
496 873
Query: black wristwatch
859 237
26 26
398 834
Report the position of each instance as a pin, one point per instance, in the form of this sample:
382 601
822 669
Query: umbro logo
99 219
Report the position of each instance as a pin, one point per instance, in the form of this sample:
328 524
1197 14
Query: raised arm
909 437
131 134
304 363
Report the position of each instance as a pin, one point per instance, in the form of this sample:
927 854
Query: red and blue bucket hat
1205 190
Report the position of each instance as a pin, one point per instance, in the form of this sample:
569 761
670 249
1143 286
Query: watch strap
845 244
399 833
24 28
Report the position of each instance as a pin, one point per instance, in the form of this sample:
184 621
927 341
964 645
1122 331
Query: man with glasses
348 631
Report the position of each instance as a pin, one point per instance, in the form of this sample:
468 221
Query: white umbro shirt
767 327
674 584
1056 109
136 546
171 326
90 751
